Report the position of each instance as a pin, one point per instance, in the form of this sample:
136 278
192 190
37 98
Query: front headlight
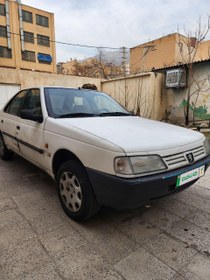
139 165
206 146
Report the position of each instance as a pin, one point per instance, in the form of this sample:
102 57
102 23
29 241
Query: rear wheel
75 191
5 154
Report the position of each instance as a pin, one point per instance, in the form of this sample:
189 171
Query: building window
43 21
43 40
44 58
27 16
28 56
2 10
29 37
3 31
5 52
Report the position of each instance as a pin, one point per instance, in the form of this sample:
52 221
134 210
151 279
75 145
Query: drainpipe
8 24
21 25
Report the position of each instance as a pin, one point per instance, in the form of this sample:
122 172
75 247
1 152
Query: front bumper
122 193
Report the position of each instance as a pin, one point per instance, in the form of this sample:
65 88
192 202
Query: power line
74 44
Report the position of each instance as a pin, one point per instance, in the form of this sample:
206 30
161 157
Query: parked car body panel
110 146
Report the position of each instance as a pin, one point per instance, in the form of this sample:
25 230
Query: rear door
10 121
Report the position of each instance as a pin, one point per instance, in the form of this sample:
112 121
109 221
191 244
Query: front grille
179 160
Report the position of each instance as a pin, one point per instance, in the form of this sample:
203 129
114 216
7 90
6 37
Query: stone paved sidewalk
169 240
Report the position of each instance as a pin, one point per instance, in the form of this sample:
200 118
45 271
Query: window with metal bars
43 40
27 16
28 56
29 37
3 31
5 52
43 21
2 10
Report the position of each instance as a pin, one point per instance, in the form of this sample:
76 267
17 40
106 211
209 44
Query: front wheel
75 191
5 154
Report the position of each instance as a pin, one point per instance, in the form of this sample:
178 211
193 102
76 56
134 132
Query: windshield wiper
76 115
114 114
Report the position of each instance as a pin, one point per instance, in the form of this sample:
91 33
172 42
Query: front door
31 132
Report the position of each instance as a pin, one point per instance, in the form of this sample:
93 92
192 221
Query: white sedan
99 153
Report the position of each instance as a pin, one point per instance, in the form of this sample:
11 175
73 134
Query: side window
32 102
15 104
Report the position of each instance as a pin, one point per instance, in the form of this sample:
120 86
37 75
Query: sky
117 23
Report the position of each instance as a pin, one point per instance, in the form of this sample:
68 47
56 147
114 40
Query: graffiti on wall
200 112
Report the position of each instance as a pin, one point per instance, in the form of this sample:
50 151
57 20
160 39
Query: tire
5 154
75 191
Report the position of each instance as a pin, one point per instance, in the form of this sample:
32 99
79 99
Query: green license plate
190 176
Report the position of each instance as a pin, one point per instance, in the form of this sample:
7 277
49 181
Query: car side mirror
32 114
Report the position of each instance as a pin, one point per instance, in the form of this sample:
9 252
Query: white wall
6 92
140 93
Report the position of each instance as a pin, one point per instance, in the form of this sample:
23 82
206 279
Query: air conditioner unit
176 78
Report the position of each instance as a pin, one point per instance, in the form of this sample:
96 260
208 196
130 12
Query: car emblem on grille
190 157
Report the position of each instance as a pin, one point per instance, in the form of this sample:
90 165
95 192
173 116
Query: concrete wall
200 100
29 79
25 79
140 93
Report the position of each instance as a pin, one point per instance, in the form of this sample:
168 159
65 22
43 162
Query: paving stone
6 204
84 263
176 207
192 235
45 272
11 217
138 229
194 200
200 218
15 189
62 241
15 235
35 204
92 228
170 251
161 218
197 268
113 245
178 277
25 258
4 195
49 221
143 265
200 191
38 241
75 257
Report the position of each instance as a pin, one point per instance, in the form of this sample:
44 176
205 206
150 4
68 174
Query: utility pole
124 59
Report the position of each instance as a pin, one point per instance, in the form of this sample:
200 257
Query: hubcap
71 192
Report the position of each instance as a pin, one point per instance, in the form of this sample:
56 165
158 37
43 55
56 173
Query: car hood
137 135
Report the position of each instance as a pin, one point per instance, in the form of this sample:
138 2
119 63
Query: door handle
2 121
18 127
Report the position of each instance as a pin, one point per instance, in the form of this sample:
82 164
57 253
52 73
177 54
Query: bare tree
141 103
189 49
97 67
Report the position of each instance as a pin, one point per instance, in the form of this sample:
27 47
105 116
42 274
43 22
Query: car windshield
74 103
